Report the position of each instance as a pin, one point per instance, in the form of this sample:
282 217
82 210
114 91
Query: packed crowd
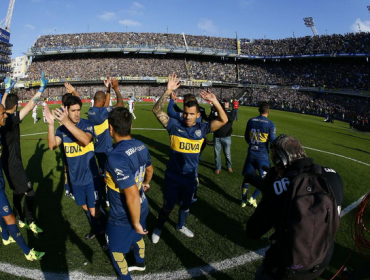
329 73
133 39
344 107
324 44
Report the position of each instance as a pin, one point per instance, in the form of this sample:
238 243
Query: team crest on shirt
6 209
198 132
89 128
109 109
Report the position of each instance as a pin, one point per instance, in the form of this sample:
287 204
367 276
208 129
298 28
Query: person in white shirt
92 102
131 105
34 114
43 111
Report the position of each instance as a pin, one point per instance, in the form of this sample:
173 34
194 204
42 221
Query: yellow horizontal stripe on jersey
185 145
111 183
99 129
262 137
76 150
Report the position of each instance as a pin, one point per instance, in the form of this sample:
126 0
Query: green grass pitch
217 219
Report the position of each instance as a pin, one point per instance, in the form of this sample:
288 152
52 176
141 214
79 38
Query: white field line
179 274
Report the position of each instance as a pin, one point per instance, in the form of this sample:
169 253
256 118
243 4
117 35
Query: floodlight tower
368 8
5 23
308 21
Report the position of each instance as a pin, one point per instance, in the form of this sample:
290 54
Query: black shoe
90 236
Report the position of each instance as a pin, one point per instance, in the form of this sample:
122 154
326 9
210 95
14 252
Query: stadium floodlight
5 23
308 21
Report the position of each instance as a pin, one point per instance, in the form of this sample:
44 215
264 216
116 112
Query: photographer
222 137
301 247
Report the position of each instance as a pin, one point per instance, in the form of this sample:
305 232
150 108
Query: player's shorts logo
6 209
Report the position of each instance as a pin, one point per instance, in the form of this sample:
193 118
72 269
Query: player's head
191 113
225 103
64 98
73 105
3 115
264 108
99 99
285 150
120 121
11 102
189 97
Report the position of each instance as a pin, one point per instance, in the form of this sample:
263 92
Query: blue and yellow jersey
260 132
125 167
186 143
81 160
99 117
2 182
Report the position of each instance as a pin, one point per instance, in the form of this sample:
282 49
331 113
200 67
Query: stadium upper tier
326 45
339 73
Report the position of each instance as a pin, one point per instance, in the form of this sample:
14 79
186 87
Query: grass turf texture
217 219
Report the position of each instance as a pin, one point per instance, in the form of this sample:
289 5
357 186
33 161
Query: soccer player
131 105
12 158
8 228
43 111
34 114
259 133
187 137
98 115
76 135
128 171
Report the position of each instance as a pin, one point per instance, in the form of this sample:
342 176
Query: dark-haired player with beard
76 135
187 137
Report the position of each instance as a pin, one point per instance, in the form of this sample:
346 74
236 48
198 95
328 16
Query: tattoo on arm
163 118
160 103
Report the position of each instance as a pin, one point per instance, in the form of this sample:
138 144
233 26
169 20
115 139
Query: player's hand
61 115
48 115
9 84
208 96
174 95
108 82
139 229
69 88
115 84
146 187
173 82
43 82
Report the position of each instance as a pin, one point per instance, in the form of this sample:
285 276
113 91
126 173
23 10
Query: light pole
308 21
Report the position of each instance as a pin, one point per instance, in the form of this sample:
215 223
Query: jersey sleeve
206 128
121 171
59 133
246 134
171 111
89 128
272 132
176 108
149 159
105 112
172 123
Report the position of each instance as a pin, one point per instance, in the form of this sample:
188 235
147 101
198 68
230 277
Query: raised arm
173 84
170 109
118 94
107 84
71 89
221 119
53 140
9 84
62 115
36 98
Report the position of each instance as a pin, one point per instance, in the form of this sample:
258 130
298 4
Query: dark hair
192 104
64 98
263 107
120 119
189 97
10 101
72 100
99 96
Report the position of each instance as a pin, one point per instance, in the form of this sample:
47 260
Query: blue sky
249 18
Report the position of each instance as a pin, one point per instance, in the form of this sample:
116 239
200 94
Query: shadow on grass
350 135
355 149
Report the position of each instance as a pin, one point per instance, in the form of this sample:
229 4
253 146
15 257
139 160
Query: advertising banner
4 36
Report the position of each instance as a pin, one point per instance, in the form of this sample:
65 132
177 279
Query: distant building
20 66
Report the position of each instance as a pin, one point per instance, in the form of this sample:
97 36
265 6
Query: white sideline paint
179 274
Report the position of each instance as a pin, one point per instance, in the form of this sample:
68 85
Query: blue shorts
5 209
102 159
88 194
178 187
121 235
251 165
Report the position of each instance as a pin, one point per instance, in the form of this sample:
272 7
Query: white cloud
364 25
245 3
30 26
207 25
129 22
107 16
137 5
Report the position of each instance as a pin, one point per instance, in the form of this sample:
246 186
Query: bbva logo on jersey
72 149
189 146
